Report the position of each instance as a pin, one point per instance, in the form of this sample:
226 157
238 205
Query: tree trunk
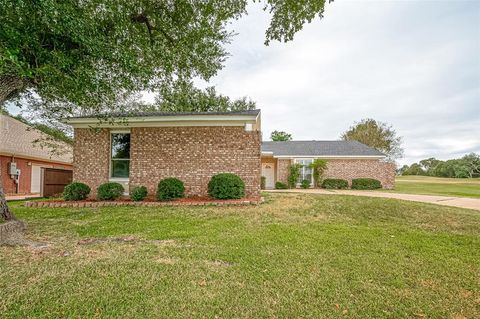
10 86
5 212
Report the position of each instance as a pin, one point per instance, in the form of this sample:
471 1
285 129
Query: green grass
296 256
438 186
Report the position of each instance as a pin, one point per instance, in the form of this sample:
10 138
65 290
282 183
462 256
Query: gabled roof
320 148
19 139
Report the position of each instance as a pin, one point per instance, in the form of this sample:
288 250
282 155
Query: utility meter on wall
12 168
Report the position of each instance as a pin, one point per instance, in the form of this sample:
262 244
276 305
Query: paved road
462 202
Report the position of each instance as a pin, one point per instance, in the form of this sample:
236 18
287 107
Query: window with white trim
120 157
305 171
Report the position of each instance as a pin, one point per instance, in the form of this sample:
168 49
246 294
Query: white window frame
298 160
118 179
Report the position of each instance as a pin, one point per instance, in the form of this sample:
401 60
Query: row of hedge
220 186
335 183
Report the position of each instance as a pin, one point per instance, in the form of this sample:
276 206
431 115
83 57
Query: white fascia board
166 121
35 158
331 156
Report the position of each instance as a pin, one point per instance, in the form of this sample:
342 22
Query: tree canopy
185 97
81 57
378 135
85 57
277 136
467 166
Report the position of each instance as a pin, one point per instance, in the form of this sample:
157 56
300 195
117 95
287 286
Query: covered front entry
268 171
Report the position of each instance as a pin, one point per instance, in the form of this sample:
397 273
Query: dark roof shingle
319 148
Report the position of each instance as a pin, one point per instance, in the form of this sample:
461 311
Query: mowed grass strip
461 187
296 256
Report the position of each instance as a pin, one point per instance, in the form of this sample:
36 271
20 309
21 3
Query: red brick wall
192 154
282 170
358 168
349 169
91 157
26 173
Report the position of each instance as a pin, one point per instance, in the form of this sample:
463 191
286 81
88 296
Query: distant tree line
466 167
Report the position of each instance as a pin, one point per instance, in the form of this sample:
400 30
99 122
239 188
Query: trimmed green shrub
333 183
226 186
305 184
366 183
170 188
138 193
76 191
110 191
263 182
280 185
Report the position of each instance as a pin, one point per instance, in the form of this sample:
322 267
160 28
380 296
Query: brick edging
53 204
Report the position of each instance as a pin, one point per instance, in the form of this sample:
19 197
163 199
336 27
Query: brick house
144 148
26 151
345 160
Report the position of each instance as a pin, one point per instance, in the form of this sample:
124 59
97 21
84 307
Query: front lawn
296 256
427 185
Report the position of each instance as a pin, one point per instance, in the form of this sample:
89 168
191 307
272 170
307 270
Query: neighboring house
24 151
345 160
142 149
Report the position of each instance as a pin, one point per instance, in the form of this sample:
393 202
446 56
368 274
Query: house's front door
268 173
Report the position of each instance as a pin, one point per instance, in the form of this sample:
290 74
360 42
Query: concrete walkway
21 197
462 202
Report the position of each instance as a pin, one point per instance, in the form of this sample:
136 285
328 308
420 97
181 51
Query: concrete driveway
462 202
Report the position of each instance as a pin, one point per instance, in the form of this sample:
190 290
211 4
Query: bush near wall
305 184
170 188
110 191
76 191
138 193
263 182
226 186
280 185
366 183
333 183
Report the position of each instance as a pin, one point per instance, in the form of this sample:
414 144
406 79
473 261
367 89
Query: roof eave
172 120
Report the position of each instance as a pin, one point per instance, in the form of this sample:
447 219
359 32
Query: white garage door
36 179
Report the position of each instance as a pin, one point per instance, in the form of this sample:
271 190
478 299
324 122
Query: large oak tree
381 136
83 56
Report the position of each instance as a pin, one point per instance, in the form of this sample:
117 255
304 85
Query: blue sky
413 64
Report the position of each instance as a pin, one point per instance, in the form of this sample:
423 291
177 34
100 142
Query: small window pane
121 145
120 168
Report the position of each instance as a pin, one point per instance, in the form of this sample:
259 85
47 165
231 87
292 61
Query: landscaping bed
149 202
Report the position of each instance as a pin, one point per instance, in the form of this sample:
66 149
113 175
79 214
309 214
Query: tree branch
142 18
